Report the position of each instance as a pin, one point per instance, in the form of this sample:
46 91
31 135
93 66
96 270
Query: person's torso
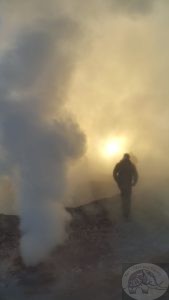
125 171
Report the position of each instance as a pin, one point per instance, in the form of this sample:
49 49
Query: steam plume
38 146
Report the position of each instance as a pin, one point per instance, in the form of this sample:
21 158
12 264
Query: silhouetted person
126 176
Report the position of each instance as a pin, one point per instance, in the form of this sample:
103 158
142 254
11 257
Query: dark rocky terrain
89 264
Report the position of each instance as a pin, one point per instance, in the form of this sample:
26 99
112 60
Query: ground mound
89 264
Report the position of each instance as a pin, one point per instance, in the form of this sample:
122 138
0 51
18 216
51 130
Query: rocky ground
89 264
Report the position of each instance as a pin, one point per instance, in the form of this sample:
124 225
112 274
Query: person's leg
126 201
127 207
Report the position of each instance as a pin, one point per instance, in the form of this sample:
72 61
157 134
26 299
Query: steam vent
89 263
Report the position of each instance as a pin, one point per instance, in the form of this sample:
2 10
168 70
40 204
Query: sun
112 147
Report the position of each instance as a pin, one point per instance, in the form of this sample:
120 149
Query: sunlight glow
112 147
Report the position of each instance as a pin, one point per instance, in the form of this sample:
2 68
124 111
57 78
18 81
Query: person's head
126 156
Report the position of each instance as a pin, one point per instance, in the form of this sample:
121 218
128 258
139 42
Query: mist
37 146
124 79
73 75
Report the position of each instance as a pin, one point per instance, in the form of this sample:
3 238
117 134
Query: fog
72 76
123 78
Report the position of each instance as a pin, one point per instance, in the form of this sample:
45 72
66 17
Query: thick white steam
34 77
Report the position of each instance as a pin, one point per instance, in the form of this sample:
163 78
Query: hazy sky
117 77
120 84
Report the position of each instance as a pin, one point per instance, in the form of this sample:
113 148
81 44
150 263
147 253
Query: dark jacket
125 173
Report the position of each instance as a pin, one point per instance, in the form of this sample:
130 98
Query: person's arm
115 172
135 176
